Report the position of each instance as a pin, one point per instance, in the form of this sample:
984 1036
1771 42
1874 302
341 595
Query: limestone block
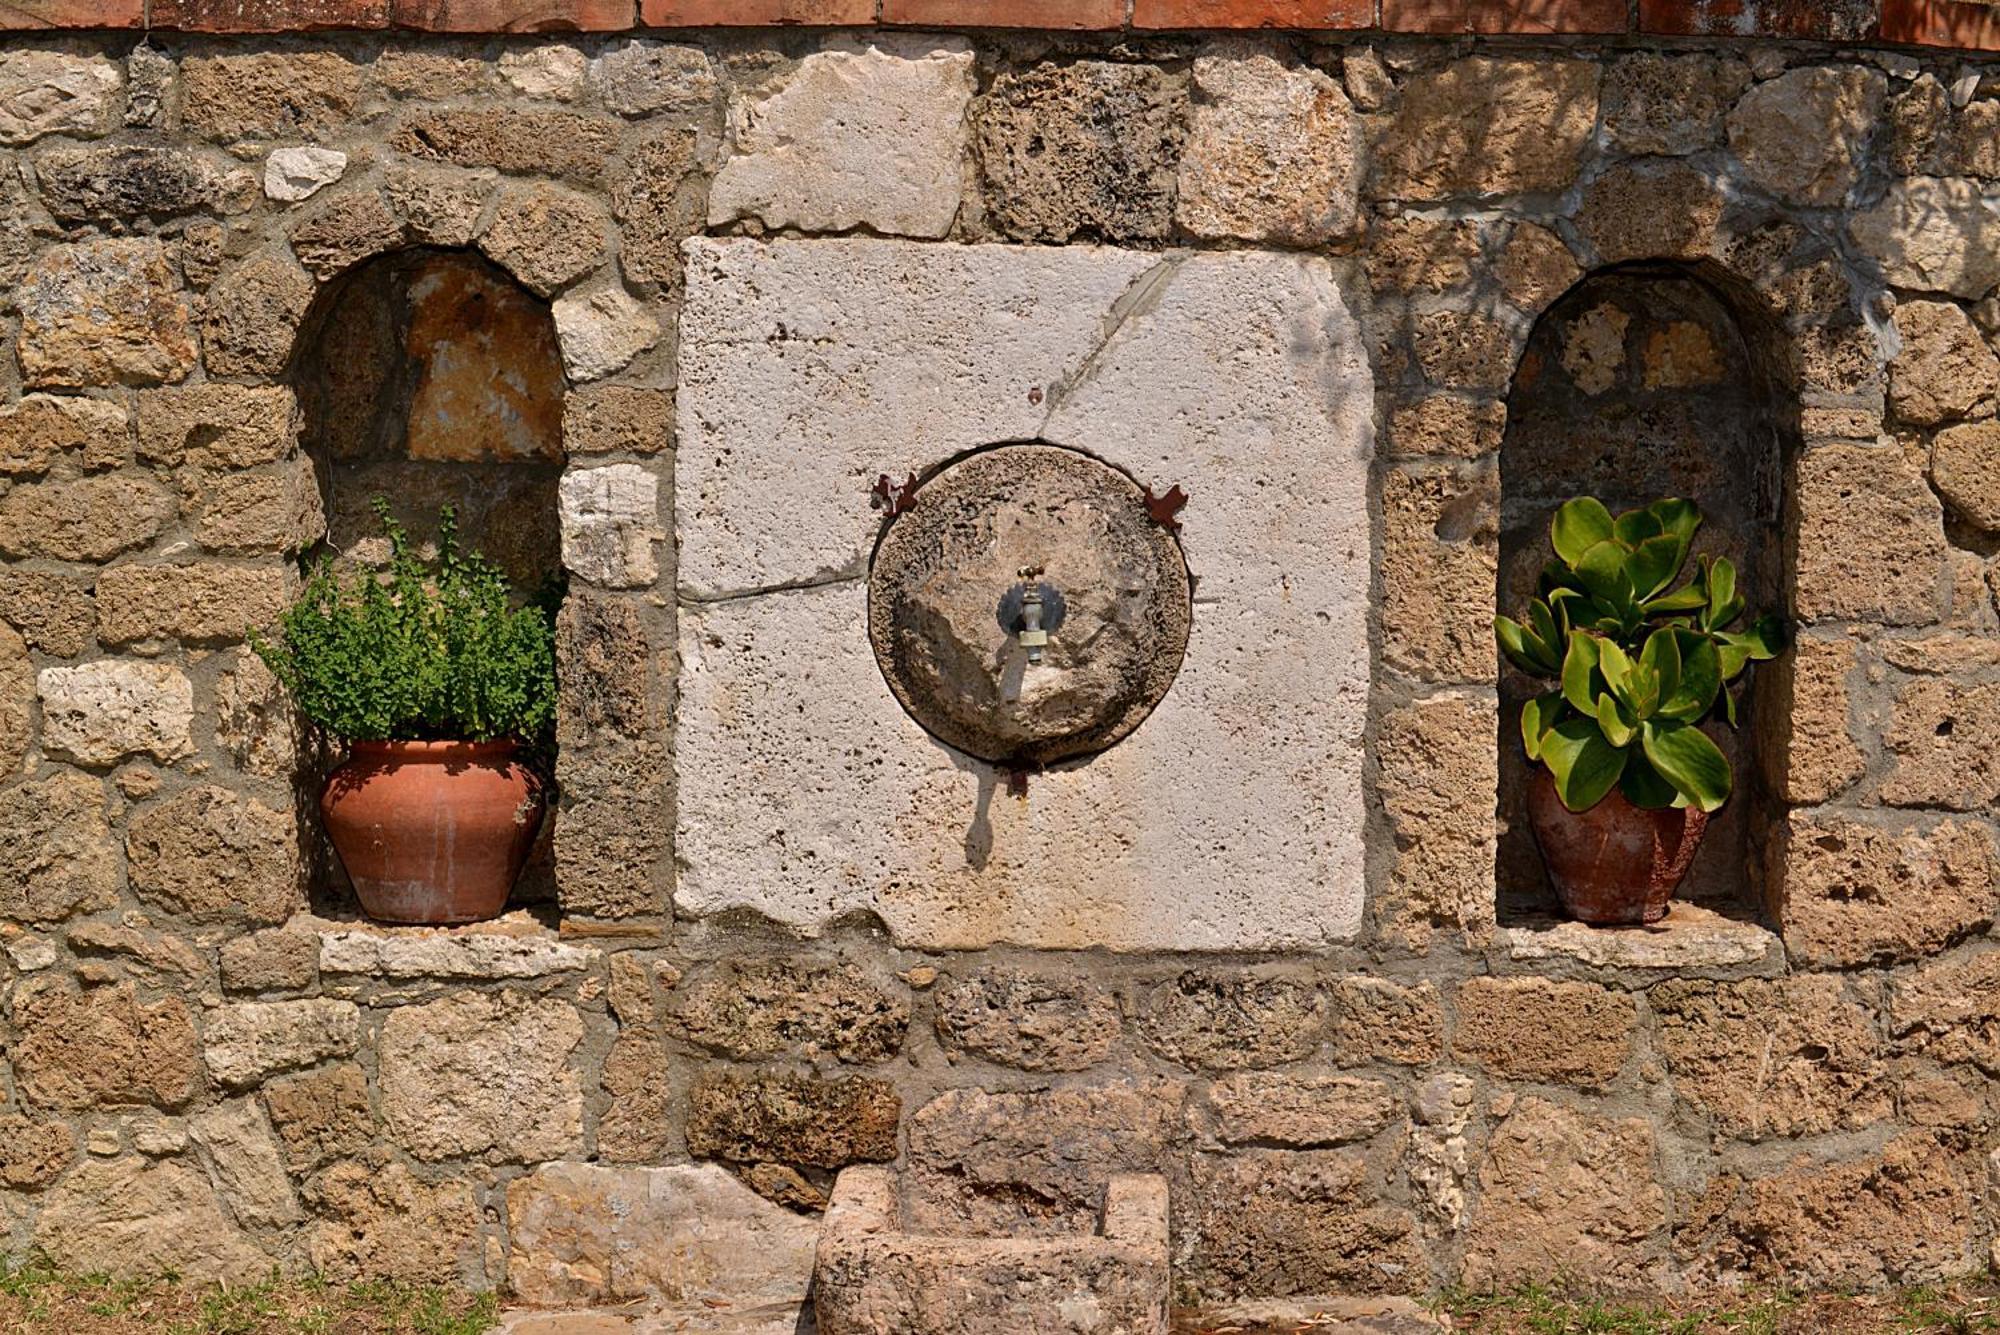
1802 135
55 92
546 236
294 174
1871 542
197 602
1945 738
283 94
377 1220
1654 208
216 855
17 701
643 78
1299 1111
57 856
661 200
255 720
1029 1020
33 1154
1544 1030
863 133
102 1047
617 419
278 959
553 70
1531 119
1219 1020
42 428
1949 1011
1273 153
810 368
796 1119
1809 745
438 207
610 521
475 953
269 511
1668 105
1416 254
638 1124
483 1072
1375 1020
794 1006
875 1277
1689 937
53 613
1440 557
217 425
602 331
137 1218
1294 1221
105 312
253 314
580 1235
1965 469
1853 893
1439 777
91 519
244 1164
321 1114
1446 424
350 228
99 713
246 1041
1778 1057
1934 234
1945 370
126 182
519 143
1536 268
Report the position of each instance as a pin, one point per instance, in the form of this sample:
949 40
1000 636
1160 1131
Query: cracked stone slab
806 793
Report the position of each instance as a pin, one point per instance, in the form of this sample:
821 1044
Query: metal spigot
1030 611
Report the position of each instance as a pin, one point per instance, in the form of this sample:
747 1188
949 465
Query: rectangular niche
1232 818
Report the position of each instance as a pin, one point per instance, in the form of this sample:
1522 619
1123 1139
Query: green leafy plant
417 651
1640 662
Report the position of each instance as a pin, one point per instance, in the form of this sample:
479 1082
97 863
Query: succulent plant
1641 659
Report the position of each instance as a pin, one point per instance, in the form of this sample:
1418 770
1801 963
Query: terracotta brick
753 13
1969 24
1496 16
515 16
28 15
1253 13
1093 14
1833 20
269 15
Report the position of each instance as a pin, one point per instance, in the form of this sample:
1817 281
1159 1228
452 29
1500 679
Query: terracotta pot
433 832
1615 863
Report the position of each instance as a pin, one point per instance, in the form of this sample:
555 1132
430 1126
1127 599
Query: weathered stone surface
1949 1011
33 1154
535 143
1220 1020
1965 469
1484 126
660 202
1809 742
287 94
1565 1193
104 312
1299 1111
57 856
553 70
1945 738
868 133
477 952
791 1005
1440 558
1273 153
321 1114
1802 135
1655 208
439 1095
1438 777
348 230
1375 1020
642 78
1465 350
378 1220
256 722
1945 370
766 441
197 602
1543 1030
610 521
92 519
98 713
133 1217
977 1156
17 707
1087 147
1670 104
638 1124
42 428
1852 893
604 658
1446 424
273 510
617 419
439 207
1416 254
546 236
613 837
53 613
55 92
797 1119
215 855
1302 1221
1036 1021
130 182
278 959
246 1041
1871 542
145 956
217 425
601 332
294 174
253 314
1536 268
682 1234
244 1164
1934 234
1783 1057
102 1047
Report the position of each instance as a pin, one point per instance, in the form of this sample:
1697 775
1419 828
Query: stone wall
1256 945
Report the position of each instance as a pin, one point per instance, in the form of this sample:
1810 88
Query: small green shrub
1641 663
416 652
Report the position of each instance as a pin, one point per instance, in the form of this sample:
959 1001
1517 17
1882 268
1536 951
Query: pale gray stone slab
1231 819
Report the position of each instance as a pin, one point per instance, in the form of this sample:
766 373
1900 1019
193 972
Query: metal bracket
891 496
1164 507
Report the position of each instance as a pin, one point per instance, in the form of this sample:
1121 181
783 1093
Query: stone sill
1689 937
516 946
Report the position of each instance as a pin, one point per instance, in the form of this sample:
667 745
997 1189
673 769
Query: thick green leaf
1635 526
1678 517
1643 786
1579 667
1653 564
1687 759
1723 604
1766 638
1583 764
1618 728
1578 526
1687 598
1602 570
1662 656
1642 691
1543 622
1614 665
1537 717
1524 649
1701 678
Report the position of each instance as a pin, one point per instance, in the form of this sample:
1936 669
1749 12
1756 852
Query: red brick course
1824 20
516 15
1074 14
1958 23
1253 13
26 14
754 13
1495 16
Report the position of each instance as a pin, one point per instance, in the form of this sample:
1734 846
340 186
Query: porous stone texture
1299 1111
481 1073
1871 542
1483 126
131 1215
282 94
1294 1221
1853 892
379 1219
769 452
1670 104
275 960
684 1234
46 92
474 953
1545 1031
195 602
99 713
639 78
610 521
1440 558
1803 135
245 1164
98 184
102 1046
1949 1011
1438 767
105 312
870 134
1030 1020
1810 744
1945 370
1943 737
57 854
253 314
1218 1020
244 1042
35 1153
17 700
1934 234
791 1006
1086 148
1273 153
546 236
1965 469
209 853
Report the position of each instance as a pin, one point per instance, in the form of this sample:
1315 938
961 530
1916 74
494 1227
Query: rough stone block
105 312
253 315
1945 370
133 1217
1808 741
1219 1020
91 519
791 1005
1036 1021
1294 1221
56 92
1871 542
1299 1111
618 419
602 331
280 94
525 143
246 1166
375 1219
17 701
57 856
244 1042
610 521
102 1046
53 613
643 78
99 713
1934 234
1439 780
439 1095
1440 562
1273 153
546 236
793 1119
321 1114
43 428
1802 135
1965 469
1949 1011
215 855
201 602
1535 119
1543 1030
486 952
278 959
1376 1020
1668 105
1851 893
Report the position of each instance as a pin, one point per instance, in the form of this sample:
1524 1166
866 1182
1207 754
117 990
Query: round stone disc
943 568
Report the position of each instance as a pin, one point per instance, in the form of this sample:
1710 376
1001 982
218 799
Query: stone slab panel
810 368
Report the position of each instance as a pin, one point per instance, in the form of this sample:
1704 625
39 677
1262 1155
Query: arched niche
1644 381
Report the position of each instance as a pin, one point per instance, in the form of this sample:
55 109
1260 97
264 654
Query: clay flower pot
433 832
1614 864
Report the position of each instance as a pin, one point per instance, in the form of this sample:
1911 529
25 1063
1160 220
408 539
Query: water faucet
1030 611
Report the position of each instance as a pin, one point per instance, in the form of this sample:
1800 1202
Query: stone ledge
1689 937
515 946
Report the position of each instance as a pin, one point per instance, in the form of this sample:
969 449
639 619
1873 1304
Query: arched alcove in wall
1647 381
430 377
